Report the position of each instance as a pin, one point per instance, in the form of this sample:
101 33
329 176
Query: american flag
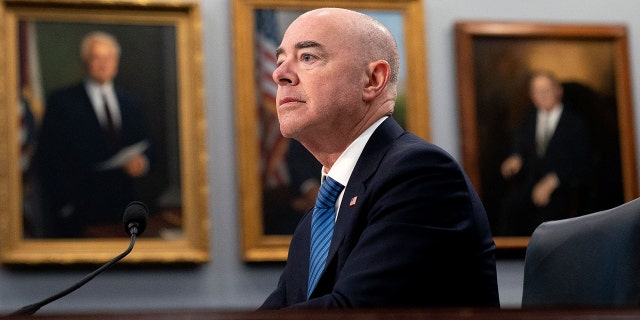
30 97
30 109
273 146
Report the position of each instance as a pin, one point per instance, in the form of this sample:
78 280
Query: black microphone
134 220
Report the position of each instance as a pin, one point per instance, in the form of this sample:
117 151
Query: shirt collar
343 167
554 112
95 87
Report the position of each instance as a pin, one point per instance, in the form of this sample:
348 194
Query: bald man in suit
410 230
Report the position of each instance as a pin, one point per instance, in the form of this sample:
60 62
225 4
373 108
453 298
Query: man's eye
307 57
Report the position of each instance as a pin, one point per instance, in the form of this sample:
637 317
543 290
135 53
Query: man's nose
283 74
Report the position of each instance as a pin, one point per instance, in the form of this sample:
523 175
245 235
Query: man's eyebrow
300 45
307 44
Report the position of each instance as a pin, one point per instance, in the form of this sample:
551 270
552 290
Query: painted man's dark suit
411 232
71 146
567 155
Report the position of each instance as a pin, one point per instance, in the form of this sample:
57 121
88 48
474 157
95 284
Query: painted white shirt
96 93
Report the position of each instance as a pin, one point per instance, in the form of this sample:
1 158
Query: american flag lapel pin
353 201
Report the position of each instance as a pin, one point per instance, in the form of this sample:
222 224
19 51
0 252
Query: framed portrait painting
159 65
495 61
278 178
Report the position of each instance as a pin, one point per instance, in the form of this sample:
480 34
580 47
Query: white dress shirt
96 93
546 125
343 167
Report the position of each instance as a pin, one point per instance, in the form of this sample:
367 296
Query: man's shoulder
70 91
411 143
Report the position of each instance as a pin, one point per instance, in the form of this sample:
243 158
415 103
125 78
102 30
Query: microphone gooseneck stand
32 308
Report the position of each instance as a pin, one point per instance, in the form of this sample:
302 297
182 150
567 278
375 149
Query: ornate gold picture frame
259 204
161 61
494 60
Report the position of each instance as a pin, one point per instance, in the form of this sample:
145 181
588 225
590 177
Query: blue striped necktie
322 224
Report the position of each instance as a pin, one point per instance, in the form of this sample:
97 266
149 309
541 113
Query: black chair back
591 260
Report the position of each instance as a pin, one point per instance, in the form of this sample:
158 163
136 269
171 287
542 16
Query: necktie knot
328 194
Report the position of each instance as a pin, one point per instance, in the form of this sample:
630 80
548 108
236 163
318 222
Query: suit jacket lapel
558 130
369 160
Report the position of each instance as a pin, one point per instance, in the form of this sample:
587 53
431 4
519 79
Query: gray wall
227 283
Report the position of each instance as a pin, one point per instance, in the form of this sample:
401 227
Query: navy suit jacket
71 146
411 232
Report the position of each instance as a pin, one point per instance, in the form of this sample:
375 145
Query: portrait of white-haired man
85 176
549 160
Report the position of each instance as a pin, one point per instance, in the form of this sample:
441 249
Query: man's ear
378 76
